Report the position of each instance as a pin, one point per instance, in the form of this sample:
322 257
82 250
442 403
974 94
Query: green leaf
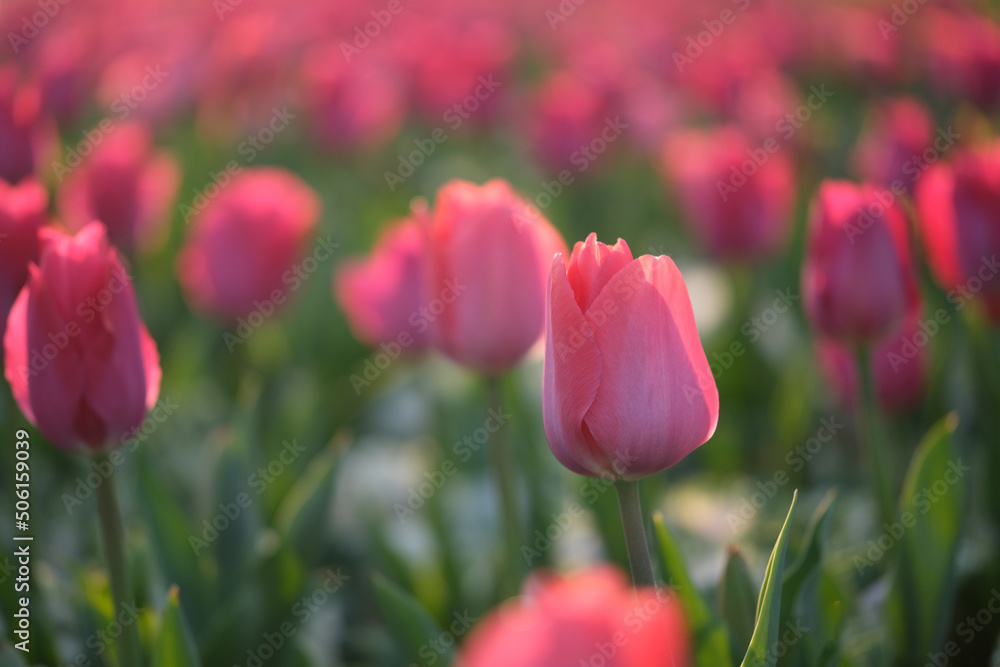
800 579
174 646
927 530
768 616
737 600
711 640
409 623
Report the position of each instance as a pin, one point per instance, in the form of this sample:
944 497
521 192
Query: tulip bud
125 185
895 137
81 364
488 254
22 213
382 293
959 217
627 388
245 244
736 196
857 278
588 618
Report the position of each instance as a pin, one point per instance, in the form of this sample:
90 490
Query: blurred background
629 119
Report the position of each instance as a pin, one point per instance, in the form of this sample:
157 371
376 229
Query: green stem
503 467
635 533
872 430
114 547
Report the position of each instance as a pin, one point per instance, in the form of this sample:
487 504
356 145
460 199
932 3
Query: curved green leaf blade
738 600
410 624
174 646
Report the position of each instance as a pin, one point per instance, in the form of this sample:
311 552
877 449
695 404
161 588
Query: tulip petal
657 400
571 377
15 346
592 265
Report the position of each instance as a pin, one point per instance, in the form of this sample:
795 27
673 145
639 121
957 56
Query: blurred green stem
872 430
635 533
114 547
503 468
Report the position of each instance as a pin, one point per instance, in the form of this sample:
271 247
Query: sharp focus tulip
488 257
627 388
382 293
125 185
857 278
245 245
80 362
959 214
22 213
736 196
891 147
571 621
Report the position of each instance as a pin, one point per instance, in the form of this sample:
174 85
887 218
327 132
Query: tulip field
429 333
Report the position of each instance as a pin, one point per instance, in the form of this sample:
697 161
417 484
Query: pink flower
488 257
81 364
578 619
125 185
627 388
22 213
891 147
857 278
25 134
736 195
382 293
245 244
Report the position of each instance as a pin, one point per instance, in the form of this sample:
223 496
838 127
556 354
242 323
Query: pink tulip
22 213
488 257
959 214
736 195
627 388
569 114
125 185
967 68
81 364
245 244
857 278
588 618
382 293
890 150
25 134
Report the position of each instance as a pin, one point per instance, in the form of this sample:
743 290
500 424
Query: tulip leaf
409 623
174 646
711 640
927 531
768 616
737 600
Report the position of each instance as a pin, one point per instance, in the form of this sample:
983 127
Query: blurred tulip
627 388
736 196
857 276
245 243
569 114
900 363
81 364
25 134
22 213
574 620
959 216
889 151
488 256
125 185
968 68
382 293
